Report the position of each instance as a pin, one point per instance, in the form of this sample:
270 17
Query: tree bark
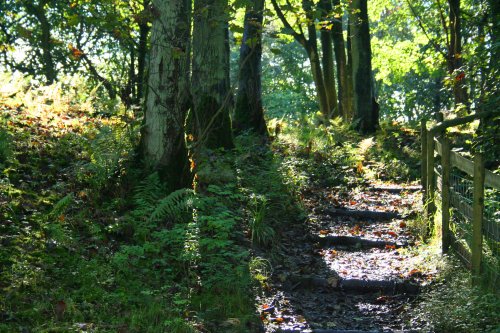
142 50
455 55
340 58
249 114
310 44
327 62
365 106
167 100
45 38
350 87
210 79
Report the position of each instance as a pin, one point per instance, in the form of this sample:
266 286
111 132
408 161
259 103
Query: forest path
347 269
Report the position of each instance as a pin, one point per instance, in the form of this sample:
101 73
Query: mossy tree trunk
364 104
167 100
212 98
248 113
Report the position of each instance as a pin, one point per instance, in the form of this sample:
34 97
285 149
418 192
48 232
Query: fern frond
364 146
174 206
148 192
61 206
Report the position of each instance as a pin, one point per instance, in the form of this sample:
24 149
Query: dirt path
346 269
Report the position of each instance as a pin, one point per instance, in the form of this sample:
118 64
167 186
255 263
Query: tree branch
298 36
431 40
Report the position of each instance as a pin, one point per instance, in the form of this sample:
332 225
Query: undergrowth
451 304
89 243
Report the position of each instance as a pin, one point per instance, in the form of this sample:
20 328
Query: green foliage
5 146
452 305
62 205
261 232
260 268
108 152
150 202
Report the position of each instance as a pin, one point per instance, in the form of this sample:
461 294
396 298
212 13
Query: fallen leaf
402 224
279 320
392 234
414 272
382 299
390 247
324 232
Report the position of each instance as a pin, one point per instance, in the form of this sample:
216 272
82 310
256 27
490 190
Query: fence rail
470 223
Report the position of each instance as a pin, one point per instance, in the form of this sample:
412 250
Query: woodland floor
339 253
345 270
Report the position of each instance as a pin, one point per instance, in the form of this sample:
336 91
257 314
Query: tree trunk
495 31
455 55
45 39
249 114
340 59
327 61
350 87
210 81
365 106
319 82
167 100
311 47
141 55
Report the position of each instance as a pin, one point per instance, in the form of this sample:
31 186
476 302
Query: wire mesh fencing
469 198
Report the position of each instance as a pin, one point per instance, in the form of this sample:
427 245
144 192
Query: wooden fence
438 161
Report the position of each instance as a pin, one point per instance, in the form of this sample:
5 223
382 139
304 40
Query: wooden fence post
445 193
431 183
477 217
423 139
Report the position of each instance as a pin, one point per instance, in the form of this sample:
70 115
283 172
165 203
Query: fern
147 195
174 206
61 206
152 205
364 146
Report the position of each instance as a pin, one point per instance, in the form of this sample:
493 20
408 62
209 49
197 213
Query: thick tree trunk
340 59
210 80
249 114
327 62
365 106
167 100
455 55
